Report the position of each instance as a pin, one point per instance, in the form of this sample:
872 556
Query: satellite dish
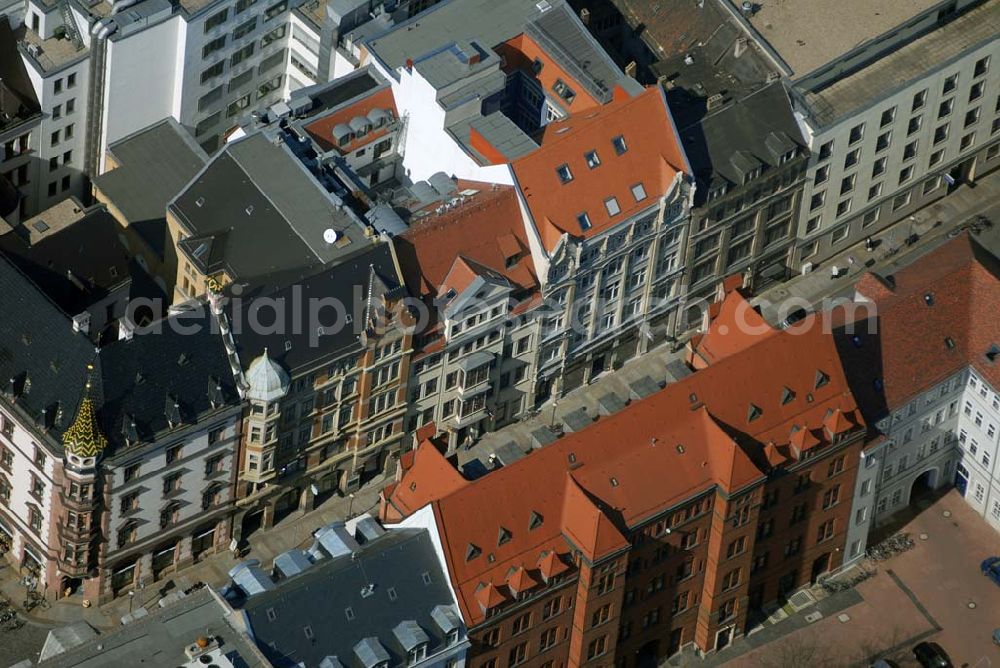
330 235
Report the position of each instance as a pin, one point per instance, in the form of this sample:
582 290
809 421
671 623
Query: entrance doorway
723 638
648 654
923 486
961 479
252 521
821 564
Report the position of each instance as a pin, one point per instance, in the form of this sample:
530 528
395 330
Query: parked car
931 655
991 569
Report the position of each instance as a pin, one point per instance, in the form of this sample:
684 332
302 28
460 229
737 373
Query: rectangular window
216 20
242 54
244 29
213 71
275 10
213 46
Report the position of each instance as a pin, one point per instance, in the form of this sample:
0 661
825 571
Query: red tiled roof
474 230
321 129
727 339
653 455
428 476
520 580
962 281
653 158
521 52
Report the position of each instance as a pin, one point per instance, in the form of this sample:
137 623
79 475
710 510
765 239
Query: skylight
564 174
593 160
611 204
583 220
638 192
619 144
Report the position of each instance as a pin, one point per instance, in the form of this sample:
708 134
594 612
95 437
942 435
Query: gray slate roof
401 608
741 135
155 164
161 363
296 344
256 209
39 350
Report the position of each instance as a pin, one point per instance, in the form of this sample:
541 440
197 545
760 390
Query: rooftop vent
929 299
949 343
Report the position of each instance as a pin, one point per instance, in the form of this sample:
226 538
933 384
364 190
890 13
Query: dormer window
537 66
583 220
786 396
753 412
565 175
564 91
593 160
472 551
821 379
535 521
503 536
611 204
619 143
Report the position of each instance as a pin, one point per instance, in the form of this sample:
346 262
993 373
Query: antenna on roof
330 235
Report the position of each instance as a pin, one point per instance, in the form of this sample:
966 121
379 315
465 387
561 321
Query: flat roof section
808 34
905 64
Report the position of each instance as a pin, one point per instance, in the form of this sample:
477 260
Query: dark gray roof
154 165
40 352
328 96
262 211
740 136
345 617
160 638
78 265
296 343
179 360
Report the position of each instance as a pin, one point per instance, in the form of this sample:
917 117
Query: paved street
935 591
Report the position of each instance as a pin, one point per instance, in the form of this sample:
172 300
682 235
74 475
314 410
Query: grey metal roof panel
509 452
409 634
446 618
577 420
330 662
252 580
501 132
408 584
370 652
337 540
65 638
292 562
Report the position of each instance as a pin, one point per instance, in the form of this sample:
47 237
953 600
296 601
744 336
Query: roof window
638 192
583 220
503 536
593 160
993 352
611 204
537 66
753 412
929 299
535 521
564 91
565 175
949 343
786 396
619 144
472 551
821 379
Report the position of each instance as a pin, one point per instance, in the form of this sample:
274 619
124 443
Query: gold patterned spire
84 438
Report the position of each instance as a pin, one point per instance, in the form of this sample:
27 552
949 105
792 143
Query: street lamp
131 598
350 505
552 421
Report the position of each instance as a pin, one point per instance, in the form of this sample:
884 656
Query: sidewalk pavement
294 531
931 224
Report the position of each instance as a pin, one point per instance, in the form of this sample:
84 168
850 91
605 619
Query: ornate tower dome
83 438
266 380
